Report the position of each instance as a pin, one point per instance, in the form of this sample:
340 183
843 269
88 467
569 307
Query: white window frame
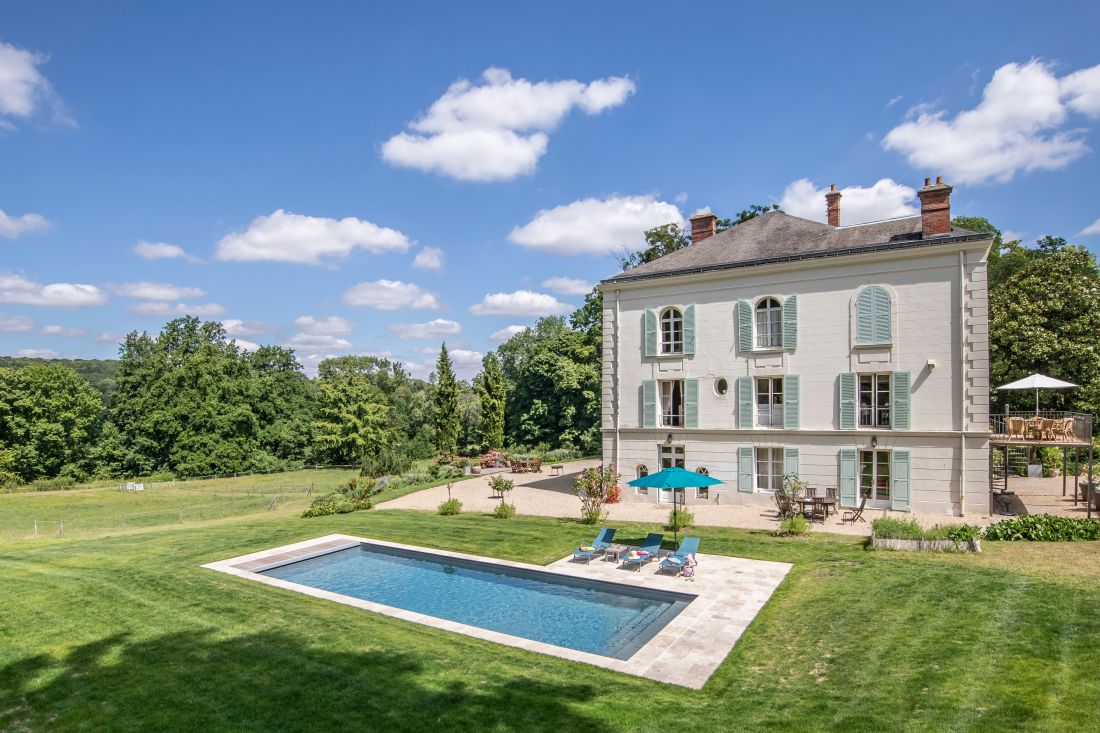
768 415
771 458
641 490
673 456
880 494
768 331
667 414
870 417
670 326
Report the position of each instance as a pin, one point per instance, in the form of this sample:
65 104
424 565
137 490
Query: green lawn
127 632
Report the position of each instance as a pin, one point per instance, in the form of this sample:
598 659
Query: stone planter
927 545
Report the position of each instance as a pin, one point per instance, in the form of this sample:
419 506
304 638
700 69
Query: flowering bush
594 487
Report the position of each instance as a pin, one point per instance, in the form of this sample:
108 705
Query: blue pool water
591 616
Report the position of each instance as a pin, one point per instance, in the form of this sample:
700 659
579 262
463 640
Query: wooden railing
1046 426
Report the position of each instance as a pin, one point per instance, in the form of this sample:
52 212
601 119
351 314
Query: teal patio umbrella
674 478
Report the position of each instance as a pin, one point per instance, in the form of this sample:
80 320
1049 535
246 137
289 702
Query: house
856 357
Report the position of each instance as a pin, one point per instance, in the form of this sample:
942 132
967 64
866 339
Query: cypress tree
445 404
490 390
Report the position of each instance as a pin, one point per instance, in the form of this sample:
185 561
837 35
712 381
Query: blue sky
322 176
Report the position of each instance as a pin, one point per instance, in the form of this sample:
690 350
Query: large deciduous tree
355 420
445 417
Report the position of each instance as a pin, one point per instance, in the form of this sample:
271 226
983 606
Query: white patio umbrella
1037 382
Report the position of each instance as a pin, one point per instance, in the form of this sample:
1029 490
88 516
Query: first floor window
769 402
672 456
874 474
769 469
874 400
672 403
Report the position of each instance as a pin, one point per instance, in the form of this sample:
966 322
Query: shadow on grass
269 681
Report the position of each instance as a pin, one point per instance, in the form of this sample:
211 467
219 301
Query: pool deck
729 592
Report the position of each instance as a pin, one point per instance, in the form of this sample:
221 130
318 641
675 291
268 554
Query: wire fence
30 528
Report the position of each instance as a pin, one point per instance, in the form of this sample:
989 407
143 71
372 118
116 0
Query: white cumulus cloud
15 324
507 332
329 326
885 199
18 289
1017 126
497 129
24 90
162 251
55 330
108 337
568 285
595 226
167 308
16 226
431 329
389 295
520 303
237 328
1093 228
287 237
37 353
157 291
429 258
316 342
466 363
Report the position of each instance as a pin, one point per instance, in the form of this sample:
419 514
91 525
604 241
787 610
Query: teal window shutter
790 322
744 326
744 468
650 332
744 403
900 390
849 489
790 402
649 403
691 403
899 472
873 319
790 461
689 330
846 406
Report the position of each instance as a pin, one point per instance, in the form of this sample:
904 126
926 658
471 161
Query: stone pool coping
729 592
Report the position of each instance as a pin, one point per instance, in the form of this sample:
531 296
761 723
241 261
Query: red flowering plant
596 487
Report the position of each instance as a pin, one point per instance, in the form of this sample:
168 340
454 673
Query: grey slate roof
778 237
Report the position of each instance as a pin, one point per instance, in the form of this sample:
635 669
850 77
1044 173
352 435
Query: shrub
791 526
501 485
793 485
388 461
450 507
614 494
415 477
1044 528
897 529
680 518
592 487
561 454
1051 460
445 471
57 483
504 511
335 503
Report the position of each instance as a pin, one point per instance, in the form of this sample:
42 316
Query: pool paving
729 592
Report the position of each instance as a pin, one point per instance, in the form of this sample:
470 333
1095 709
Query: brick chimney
703 225
935 208
832 206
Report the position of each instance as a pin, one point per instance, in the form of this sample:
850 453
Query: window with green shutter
790 461
790 402
744 326
899 471
649 403
744 468
790 322
848 484
650 329
900 389
744 403
691 403
689 330
846 401
874 324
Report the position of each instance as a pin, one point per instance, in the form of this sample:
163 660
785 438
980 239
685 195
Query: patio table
615 551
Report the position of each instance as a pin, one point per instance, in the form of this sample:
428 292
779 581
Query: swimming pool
576 613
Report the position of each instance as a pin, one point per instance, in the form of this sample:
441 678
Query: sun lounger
648 551
603 539
679 560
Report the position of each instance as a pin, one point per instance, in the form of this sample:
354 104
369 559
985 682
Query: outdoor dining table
828 502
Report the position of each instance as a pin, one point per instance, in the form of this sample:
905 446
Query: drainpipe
963 376
615 381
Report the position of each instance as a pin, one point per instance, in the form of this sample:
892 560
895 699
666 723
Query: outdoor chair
678 560
855 515
830 492
1035 428
649 549
601 543
817 509
1068 433
1016 428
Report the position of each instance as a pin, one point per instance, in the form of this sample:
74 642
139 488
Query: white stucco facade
938 343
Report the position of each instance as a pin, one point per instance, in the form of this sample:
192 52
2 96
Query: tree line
188 401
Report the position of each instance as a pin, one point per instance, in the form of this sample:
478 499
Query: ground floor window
769 469
874 474
672 456
643 470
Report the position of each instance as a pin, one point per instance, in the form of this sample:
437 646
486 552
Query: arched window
703 470
873 318
769 324
672 331
643 470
